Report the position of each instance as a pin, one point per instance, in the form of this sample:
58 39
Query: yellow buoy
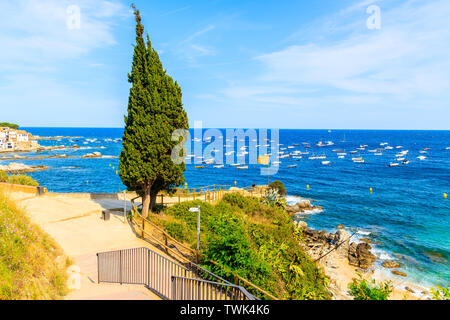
185 185
117 172
87 181
445 196
110 164
307 186
113 168
235 182
371 190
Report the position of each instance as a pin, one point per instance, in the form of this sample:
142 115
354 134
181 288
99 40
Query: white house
22 136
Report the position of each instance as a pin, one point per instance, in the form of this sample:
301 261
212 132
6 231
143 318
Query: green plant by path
22 180
155 111
28 258
3 176
362 289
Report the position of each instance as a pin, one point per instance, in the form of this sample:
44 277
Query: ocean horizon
406 216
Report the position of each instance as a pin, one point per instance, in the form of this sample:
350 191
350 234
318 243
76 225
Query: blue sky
260 64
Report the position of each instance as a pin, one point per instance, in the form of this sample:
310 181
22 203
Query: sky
241 64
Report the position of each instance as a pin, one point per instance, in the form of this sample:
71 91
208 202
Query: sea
400 208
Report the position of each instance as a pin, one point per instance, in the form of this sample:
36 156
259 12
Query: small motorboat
325 163
242 168
405 162
292 166
394 164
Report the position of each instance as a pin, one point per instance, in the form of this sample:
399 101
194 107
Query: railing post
98 269
143 227
120 266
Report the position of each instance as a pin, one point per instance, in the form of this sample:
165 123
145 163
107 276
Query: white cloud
36 32
403 65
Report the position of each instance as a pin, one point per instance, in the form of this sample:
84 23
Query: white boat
359 161
330 143
242 168
342 154
235 164
448 148
325 163
341 157
292 166
356 159
353 152
394 164
389 148
320 144
405 162
378 154
401 159
219 166
421 157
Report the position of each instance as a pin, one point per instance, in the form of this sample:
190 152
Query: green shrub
362 289
177 230
28 258
23 180
440 293
3 176
279 186
273 198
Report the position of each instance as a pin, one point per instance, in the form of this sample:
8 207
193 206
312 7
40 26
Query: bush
28 258
273 198
440 293
177 230
3 176
23 180
279 186
362 289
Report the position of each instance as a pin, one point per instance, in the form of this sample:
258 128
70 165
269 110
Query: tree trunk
146 202
153 196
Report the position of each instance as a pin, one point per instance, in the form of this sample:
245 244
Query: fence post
143 227
162 199
120 265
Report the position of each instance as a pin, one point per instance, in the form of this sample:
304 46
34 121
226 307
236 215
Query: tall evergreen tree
155 110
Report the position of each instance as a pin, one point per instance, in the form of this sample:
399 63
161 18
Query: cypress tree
155 110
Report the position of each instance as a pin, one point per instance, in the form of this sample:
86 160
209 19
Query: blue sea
406 214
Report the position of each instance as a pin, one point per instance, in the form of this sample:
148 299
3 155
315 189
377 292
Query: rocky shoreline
343 257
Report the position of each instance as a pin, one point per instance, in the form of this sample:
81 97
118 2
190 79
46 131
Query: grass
18 179
32 265
256 241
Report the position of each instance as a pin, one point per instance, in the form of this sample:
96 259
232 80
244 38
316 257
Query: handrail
183 295
159 274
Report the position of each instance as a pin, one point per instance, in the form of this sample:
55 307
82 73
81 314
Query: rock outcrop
359 255
21 168
302 206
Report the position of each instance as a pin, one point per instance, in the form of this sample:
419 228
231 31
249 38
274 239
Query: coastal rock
21 168
359 255
302 225
303 206
391 264
340 226
93 155
399 273
341 242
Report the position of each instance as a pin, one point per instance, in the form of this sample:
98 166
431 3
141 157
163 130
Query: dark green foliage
362 289
256 241
279 186
9 125
155 110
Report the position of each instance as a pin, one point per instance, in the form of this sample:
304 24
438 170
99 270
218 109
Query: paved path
77 226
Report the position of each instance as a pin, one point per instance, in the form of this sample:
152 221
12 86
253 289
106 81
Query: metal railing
197 289
143 266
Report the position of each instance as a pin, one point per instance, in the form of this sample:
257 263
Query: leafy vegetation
22 180
28 258
155 111
18 179
9 125
274 199
440 293
3 176
255 241
279 186
362 289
